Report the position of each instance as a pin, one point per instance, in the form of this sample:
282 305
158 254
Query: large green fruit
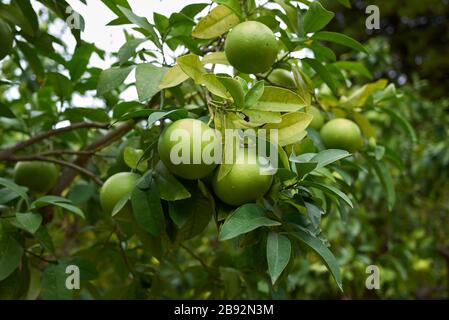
342 134
251 47
318 119
6 39
244 183
282 78
184 139
115 188
38 176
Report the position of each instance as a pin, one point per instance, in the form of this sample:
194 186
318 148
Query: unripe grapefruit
38 176
342 134
251 47
115 188
244 183
318 119
195 138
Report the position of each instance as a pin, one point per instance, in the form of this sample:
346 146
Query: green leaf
292 128
192 66
346 3
215 58
29 221
386 180
341 39
262 117
147 206
245 219
128 50
21 191
174 115
316 17
6 112
364 124
173 77
10 255
327 256
277 99
402 122
170 188
59 202
304 86
278 254
329 190
234 5
6 195
314 214
254 94
216 23
62 86
120 204
192 215
78 114
55 276
235 89
45 239
146 27
354 66
133 159
329 156
322 72
148 80
111 78
214 85
54 283
360 96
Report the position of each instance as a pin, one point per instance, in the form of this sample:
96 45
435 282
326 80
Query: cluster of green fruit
251 47
242 184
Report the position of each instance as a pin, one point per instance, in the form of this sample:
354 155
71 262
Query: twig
69 174
197 257
4 154
60 162
41 258
64 152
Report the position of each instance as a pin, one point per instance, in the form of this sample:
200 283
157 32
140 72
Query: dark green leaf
339 38
111 78
327 256
170 188
278 254
316 17
148 79
147 207
245 219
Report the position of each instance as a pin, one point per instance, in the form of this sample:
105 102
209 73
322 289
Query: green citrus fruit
115 188
318 119
181 147
36 175
282 78
6 39
244 183
342 134
251 47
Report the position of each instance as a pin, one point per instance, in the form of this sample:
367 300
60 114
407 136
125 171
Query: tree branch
60 162
69 174
6 153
